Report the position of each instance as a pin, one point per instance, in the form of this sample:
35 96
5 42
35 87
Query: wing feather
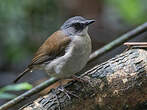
53 47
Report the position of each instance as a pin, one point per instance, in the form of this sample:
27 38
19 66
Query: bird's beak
89 22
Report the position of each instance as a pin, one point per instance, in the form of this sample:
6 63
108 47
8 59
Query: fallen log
117 84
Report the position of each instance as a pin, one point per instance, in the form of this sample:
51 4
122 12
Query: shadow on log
118 84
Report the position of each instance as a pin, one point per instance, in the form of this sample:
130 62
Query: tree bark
117 84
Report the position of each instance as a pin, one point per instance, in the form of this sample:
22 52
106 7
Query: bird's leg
68 93
80 79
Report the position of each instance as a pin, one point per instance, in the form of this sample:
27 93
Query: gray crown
75 24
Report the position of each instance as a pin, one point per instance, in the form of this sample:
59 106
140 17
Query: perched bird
65 52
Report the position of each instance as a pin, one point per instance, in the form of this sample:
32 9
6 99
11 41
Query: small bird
65 52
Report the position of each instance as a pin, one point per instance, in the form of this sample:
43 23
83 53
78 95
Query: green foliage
17 26
15 87
133 11
7 96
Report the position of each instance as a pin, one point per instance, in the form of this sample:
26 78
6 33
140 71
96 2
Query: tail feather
22 74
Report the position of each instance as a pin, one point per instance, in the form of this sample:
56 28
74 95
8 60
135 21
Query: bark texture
117 84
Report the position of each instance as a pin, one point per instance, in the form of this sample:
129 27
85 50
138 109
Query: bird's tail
22 74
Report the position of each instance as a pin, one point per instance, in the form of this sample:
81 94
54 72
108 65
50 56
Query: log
117 84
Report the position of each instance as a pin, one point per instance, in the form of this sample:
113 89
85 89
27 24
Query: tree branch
119 83
28 93
129 35
142 28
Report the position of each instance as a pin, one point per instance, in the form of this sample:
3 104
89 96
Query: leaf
7 96
17 87
131 10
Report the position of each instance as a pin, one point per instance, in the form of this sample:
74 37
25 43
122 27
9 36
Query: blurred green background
25 24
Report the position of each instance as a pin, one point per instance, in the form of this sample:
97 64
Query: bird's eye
77 25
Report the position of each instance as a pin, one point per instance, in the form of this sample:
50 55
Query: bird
65 52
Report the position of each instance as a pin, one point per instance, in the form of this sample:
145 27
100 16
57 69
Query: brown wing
54 46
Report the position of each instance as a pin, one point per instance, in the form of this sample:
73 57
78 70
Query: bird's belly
76 62
72 62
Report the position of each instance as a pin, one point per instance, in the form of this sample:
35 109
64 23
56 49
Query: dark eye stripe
78 26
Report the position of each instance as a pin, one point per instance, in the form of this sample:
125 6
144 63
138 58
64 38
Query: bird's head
76 26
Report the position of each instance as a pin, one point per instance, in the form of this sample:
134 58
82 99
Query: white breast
75 58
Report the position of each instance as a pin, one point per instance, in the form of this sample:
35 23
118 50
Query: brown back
54 46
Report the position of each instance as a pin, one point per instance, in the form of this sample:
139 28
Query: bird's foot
86 83
79 79
82 80
68 93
